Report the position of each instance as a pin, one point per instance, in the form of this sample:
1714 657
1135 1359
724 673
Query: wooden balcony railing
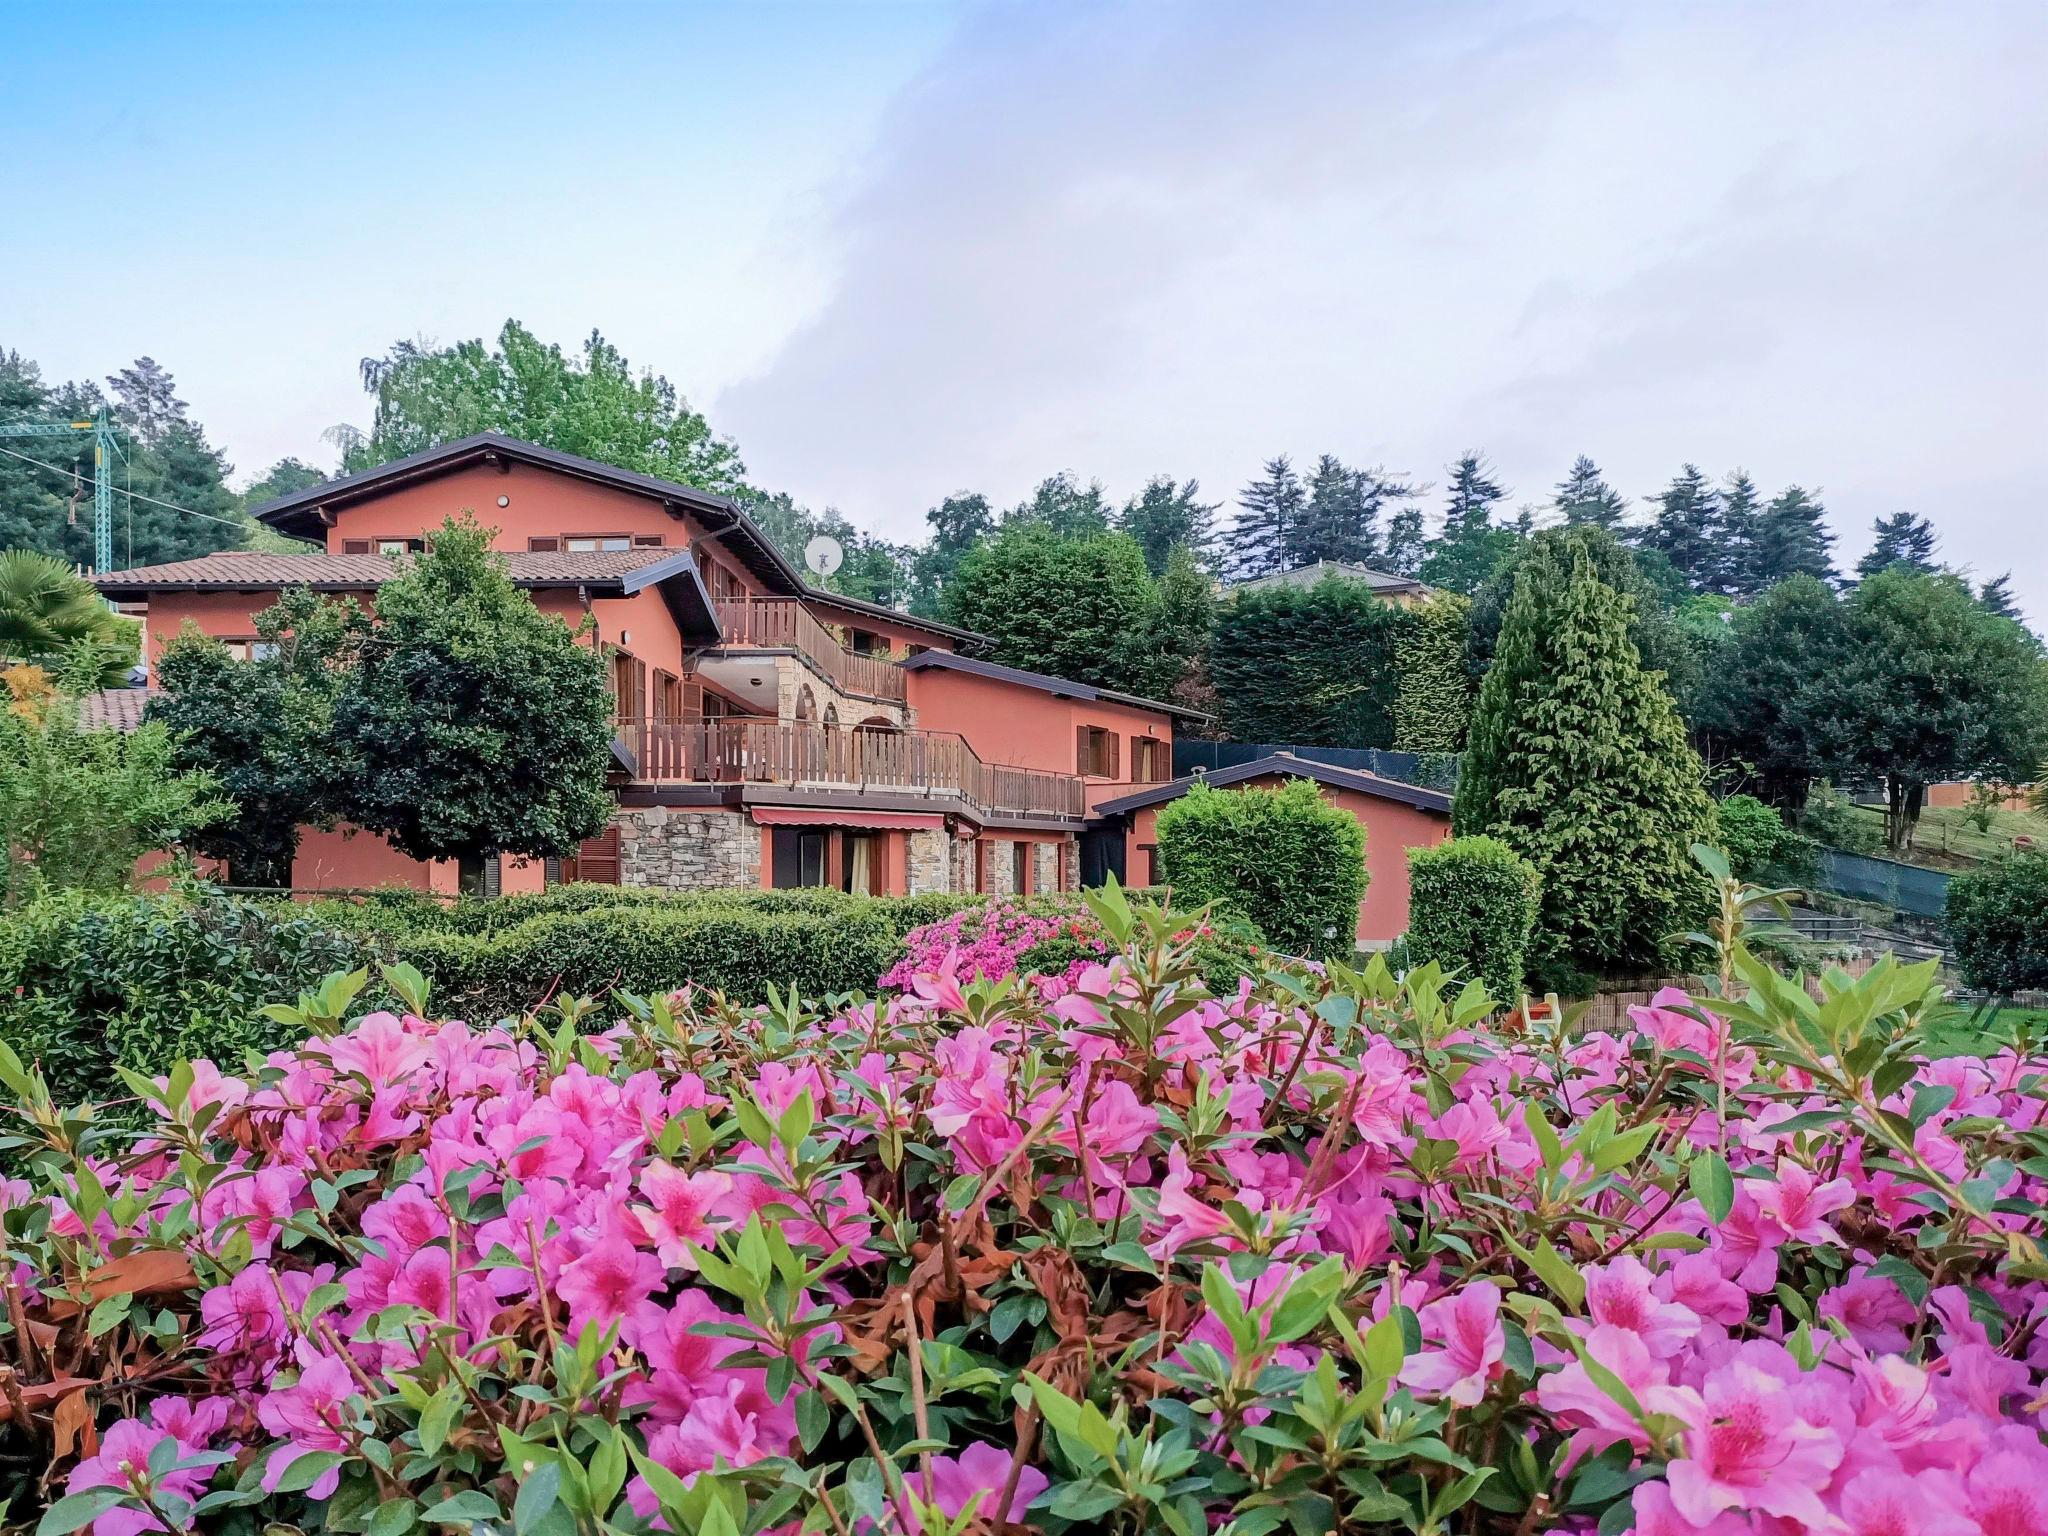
785 624
931 764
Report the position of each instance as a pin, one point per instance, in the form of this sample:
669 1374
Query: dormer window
592 543
386 547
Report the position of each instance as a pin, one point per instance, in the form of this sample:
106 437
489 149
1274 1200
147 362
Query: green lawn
1960 1031
1948 840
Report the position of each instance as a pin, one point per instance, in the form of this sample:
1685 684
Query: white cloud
1142 238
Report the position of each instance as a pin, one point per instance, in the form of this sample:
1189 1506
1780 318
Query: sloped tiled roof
112 709
239 569
1043 682
1287 765
1333 570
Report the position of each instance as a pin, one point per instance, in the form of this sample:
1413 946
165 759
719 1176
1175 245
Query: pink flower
1622 1292
1473 1344
2008 1494
1751 1452
307 1416
1188 1219
678 1212
976 1476
1874 1310
1573 1395
1656 1515
1878 1502
607 1283
1797 1203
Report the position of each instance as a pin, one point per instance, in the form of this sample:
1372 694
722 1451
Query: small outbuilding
1122 839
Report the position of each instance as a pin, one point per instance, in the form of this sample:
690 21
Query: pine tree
1996 596
1433 694
1584 497
1683 530
1792 539
1341 518
1578 761
1738 524
1166 516
1469 547
1268 511
1903 538
1406 548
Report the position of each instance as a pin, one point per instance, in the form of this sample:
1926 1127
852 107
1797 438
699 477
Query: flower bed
1315 1256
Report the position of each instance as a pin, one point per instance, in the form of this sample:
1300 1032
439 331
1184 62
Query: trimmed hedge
1998 924
1472 905
147 980
1286 856
638 949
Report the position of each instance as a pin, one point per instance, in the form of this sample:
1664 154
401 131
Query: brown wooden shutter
543 545
648 541
357 547
597 858
1084 762
1110 740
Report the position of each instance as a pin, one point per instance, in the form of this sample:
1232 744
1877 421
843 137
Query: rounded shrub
1286 857
1759 845
1998 924
1472 905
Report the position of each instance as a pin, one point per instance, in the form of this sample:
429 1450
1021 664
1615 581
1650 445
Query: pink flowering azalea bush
1318 1255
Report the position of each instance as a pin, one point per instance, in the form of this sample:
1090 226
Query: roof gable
302 514
1287 765
1044 682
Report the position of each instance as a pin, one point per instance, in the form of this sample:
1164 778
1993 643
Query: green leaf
537 1495
394 1517
77 1510
1712 1185
463 1508
308 1468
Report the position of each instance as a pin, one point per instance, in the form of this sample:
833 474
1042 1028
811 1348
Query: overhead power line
132 495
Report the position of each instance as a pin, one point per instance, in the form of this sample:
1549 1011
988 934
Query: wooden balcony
785 624
933 765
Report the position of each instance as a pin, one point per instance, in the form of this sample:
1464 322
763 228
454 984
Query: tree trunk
1901 812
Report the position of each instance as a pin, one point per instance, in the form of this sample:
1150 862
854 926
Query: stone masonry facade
688 850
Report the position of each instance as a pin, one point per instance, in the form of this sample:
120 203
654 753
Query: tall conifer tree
1792 539
1578 760
1269 511
1584 497
1684 528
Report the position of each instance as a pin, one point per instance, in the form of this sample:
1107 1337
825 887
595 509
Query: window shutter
355 546
1084 763
647 541
1110 740
597 858
543 546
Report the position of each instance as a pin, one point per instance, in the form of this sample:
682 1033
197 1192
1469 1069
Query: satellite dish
823 555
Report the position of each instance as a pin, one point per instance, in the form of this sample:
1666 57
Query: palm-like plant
48 615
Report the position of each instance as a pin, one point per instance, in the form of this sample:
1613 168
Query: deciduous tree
1169 515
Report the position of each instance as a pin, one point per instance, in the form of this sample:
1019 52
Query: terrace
786 624
889 764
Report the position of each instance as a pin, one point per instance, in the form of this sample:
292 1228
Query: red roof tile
229 570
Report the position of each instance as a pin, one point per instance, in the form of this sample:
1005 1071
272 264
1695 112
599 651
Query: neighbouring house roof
1339 570
112 709
1058 687
604 573
1288 765
894 615
300 514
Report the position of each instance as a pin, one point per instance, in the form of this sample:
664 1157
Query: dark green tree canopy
1792 539
1683 530
1578 761
475 723
1081 608
1064 507
1928 686
264 728
1903 538
1169 515
595 404
1471 546
1315 665
1583 496
1269 511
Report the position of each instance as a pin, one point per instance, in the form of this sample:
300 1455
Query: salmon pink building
1396 817
769 733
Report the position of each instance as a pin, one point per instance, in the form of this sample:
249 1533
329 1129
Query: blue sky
896 250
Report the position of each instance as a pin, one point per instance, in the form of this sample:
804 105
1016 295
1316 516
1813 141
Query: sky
900 250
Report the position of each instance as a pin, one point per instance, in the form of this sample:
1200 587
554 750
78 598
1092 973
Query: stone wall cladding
1002 870
930 862
1045 866
680 850
963 865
